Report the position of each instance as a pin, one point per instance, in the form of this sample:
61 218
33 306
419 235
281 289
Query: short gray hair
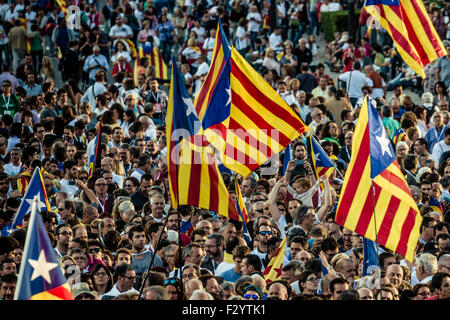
201 295
428 262
161 292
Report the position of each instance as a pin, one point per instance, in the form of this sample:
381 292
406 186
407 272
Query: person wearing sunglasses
9 103
263 234
252 292
175 289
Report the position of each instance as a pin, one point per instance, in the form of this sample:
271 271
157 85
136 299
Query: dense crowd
116 234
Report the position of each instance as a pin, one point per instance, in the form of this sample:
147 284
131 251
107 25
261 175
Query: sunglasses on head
170 281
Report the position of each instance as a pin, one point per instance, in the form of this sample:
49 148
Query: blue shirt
230 275
433 136
93 60
34 90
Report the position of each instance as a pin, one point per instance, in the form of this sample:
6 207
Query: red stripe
209 81
413 37
355 176
152 57
214 185
367 211
386 225
263 100
249 139
195 178
407 227
160 61
62 293
173 169
393 179
256 118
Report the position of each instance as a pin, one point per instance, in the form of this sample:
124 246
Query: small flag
240 206
435 205
399 135
320 160
95 156
41 277
287 157
273 270
370 259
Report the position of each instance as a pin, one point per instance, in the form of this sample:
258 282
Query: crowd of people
116 234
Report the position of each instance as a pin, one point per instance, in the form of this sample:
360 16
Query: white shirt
331 7
357 81
274 40
438 149
241 38
11 170
67 188
91 92
124 31
254 26
201 33
209 44
115 291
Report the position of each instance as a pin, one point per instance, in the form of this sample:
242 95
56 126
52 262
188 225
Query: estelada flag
273 269
41 277
375 199
410 27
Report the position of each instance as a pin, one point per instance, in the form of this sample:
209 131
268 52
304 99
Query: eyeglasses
260 210
263 233
170 281
6 85
65 233
313 279
253 296
61 209
129 277
96 250
100 274
101 185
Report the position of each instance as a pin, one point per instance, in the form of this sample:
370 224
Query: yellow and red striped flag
273 269
375 198
63 5
242 115
194 178
155 59
410 27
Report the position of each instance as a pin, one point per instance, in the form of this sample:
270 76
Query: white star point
229 96
384 143
39 206
42 268
190 106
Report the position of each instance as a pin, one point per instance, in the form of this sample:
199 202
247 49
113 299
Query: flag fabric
23 181
370 257
273 269
41 277
132 47
35 188
186 227
375 199
95 156
63 5
287 157
399 135
194 178
242 115
435 204
242 210
321 162
410 27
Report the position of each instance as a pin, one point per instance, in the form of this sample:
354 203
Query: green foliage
336 21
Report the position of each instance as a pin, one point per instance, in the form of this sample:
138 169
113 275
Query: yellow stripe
359 199
397 224
205 186
184 173
169 121
394 190
413 238
45 296
422 35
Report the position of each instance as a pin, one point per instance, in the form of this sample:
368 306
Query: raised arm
323 210
273 208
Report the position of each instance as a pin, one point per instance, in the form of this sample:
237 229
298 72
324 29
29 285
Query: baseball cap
82 288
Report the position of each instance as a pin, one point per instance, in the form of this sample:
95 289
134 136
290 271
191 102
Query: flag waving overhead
95 156
194 178
410 27
41 277
242 115
320 160
375 198
273 269
240 205
34 188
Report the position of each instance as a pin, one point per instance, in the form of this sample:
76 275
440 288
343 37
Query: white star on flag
317 156
190 106
229 96
384 143
42 267
39 206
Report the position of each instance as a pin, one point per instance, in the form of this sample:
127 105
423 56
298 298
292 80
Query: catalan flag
370 259
273 269
34 188
435 205
194 178
286 158
95 156
375 199
319 158
240 206
242 115
399 135
23 181
41 277
63 5
155 59
410 27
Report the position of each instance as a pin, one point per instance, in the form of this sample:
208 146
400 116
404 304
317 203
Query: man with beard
4 186
425 187
64 235
68 183
214 248
172 224
140 255
140 197
8 284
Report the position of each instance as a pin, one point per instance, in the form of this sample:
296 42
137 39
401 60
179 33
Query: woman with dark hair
74 93
128 119
308 283
440 92
109 119
102 279
166 33
68 114
421 291
118 111
330 132
175 288
15 135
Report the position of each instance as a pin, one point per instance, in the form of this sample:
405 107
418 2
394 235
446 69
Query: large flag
242 115
240 206
41 277
319 158
410 27
155 59
63 6
34 188
194 178
375 198
273 269
370 259
95 156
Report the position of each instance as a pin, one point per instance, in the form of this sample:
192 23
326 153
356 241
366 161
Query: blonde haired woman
270 62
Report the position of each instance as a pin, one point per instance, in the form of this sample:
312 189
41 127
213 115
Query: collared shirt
93 60
35 90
